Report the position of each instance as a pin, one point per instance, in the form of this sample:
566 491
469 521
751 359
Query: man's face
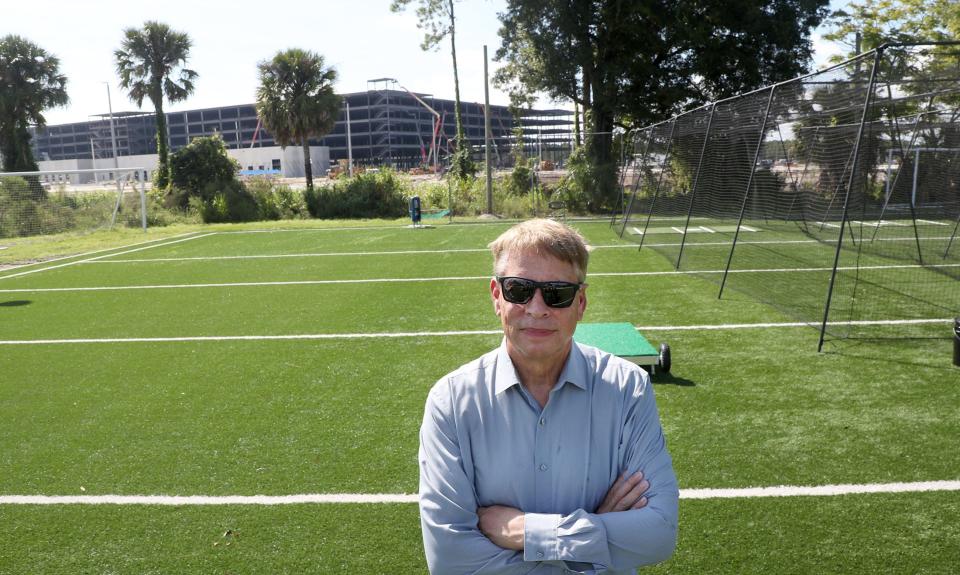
534 331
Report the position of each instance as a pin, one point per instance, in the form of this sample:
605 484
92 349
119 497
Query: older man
544 456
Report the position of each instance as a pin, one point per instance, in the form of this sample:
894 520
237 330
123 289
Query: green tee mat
621 339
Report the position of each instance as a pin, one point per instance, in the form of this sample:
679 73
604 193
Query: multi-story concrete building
387 127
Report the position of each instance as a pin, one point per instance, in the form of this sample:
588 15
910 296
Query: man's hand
625 493
502 525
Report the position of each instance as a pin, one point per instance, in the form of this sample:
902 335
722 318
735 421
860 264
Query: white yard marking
473 250
361 498
322 254
106 256
448 279
89 253
407 334
725 326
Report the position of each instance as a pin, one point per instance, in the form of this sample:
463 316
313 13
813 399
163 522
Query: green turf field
232 361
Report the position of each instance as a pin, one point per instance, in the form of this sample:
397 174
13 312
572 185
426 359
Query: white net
54 202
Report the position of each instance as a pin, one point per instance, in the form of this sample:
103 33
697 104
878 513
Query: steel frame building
387 127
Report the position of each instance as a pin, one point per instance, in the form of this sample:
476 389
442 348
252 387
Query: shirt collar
574 370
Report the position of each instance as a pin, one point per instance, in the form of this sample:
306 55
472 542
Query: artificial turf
741 408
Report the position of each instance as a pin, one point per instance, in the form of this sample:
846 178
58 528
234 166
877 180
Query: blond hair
543 237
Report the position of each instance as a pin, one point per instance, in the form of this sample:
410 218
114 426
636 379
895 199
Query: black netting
757 192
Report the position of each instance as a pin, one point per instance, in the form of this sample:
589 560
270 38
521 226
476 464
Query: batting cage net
834 197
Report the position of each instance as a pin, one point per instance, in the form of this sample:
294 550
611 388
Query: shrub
378 194
276 201
202 167
228 202
520 181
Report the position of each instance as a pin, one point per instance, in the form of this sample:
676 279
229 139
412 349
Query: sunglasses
521 291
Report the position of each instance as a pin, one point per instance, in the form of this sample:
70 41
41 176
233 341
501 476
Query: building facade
387 127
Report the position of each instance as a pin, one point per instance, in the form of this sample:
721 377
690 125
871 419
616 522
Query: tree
631 62
30 82
199 167
148 61
875 22
296 101
437 20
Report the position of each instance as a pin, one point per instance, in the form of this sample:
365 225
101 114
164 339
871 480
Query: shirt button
543 467
542 419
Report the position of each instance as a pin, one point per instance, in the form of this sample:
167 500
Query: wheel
664 363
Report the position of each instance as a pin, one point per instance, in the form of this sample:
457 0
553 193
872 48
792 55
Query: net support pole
953 236
746 194
623 177
696 182
846 200
656 192
143 204
636 184
913 206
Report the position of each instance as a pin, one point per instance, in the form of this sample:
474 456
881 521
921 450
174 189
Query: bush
27 210
588 187
520 181
228 202
202 169
276 201
378 194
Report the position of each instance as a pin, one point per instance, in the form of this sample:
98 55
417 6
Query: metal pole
656 191
113 133
846 200
916 170
143 205
696 177
746 195
93 158
486 132
349 143
638 175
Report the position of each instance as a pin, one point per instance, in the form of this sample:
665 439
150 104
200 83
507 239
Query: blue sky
361 38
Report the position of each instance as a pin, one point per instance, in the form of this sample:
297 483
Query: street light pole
113 133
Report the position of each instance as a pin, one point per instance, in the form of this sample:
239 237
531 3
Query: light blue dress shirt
486 441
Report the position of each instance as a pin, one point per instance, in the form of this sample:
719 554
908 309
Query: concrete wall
290 158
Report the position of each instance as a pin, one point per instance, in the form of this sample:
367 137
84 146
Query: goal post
80 200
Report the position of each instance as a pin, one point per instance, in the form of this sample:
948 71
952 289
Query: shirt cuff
540 536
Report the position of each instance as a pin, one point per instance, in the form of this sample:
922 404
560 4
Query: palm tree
30 82
147 62
295 100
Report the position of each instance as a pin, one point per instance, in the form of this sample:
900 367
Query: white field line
166 243
462 250
306 336
505 222
484 332
355 498
88 253
446 279
325 254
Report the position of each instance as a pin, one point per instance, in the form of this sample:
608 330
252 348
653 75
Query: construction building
388 126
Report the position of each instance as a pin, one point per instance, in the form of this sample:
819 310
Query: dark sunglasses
521 291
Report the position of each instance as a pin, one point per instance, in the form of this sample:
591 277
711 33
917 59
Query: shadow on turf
669 378
872 349
15 303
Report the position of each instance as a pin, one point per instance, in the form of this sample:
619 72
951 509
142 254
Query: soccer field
148 393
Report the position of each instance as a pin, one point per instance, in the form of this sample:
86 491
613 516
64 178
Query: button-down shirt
486 441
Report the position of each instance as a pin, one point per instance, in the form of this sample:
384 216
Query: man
544 456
